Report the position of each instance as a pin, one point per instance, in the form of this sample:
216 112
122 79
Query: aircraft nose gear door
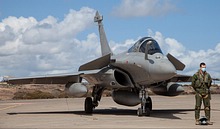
146 103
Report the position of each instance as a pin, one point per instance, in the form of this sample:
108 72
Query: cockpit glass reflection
140 46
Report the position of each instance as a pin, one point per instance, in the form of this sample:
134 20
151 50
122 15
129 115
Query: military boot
209 122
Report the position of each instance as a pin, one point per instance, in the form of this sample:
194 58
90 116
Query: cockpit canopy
140 46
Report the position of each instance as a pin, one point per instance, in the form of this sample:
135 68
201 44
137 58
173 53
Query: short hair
202 64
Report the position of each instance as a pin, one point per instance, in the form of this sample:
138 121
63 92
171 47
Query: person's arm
194 78
209 81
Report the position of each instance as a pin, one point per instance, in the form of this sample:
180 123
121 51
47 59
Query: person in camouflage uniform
201 82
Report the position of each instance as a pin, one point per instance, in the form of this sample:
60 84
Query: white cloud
137 8
17 24
121 47
31 47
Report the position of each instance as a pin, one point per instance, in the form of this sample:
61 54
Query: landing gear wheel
88 105
146 103
140 112
149 103
147 111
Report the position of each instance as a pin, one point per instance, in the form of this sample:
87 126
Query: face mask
203 69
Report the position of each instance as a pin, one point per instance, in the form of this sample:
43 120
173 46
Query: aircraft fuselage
145 72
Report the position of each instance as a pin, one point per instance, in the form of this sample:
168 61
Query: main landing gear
90 103
146 103
144 110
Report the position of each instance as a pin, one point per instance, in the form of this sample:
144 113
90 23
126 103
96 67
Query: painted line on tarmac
13 106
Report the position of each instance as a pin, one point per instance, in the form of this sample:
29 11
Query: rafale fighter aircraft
128 75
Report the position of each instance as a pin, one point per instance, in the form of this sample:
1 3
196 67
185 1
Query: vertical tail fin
103 40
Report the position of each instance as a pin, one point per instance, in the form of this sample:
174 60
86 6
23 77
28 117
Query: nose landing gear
146 103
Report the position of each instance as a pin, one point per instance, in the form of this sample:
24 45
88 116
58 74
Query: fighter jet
127 75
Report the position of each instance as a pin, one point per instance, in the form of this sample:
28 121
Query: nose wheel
146 104
145 110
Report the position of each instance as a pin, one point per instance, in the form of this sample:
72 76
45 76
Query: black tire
88 106
147 112
149 103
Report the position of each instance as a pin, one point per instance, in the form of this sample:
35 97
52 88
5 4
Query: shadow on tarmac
158 113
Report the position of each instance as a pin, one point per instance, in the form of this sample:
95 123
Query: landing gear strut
146 103
90 103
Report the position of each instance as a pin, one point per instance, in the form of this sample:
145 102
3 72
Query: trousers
206 102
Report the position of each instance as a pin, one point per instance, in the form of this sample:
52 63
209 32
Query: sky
39 37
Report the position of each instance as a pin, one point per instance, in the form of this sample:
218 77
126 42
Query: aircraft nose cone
164 70
169 69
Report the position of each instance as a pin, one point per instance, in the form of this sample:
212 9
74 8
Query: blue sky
185 28
194 23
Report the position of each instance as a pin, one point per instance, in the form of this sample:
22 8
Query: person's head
203 67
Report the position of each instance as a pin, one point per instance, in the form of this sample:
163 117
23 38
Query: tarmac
168 112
